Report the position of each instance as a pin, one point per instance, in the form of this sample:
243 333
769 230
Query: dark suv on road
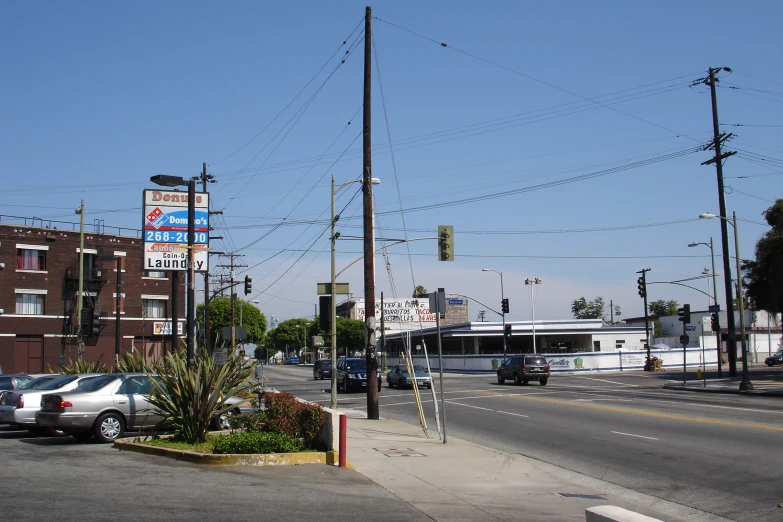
523 369
352 374
322 369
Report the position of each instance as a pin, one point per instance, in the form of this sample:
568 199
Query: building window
620 341
157 275
30 259
596 346
30 304
114 302
154 308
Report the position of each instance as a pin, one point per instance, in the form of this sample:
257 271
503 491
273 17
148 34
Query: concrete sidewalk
462 481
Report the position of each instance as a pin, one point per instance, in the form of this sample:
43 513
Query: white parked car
18 407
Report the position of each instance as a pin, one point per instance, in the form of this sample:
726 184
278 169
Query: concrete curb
265 459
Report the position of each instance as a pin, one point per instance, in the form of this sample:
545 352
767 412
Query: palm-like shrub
132 362
189 398
78 367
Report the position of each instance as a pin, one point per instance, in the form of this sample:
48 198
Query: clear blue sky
97 97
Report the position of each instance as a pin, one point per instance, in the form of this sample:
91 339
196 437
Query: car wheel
429 386
525 382
517 379
501 379
109 427
223 422
388 381
770 365
542 382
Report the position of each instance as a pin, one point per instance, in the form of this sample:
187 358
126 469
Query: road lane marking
647 414
607 399
469 406
604 380
515 414
632 435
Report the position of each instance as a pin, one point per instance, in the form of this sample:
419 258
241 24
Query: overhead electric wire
758 77
527 76
295 97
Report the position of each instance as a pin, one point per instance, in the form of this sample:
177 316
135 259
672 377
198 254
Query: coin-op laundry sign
166 231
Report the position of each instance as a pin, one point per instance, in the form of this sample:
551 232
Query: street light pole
502 299
191 283
532 283
714 300
80 299
745 384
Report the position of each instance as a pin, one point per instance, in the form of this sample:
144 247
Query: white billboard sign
165 226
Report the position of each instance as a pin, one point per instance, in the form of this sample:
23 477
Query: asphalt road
56 477
717 453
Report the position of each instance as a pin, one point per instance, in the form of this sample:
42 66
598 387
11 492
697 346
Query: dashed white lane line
632 435
604 380
608 399
470 406
514 414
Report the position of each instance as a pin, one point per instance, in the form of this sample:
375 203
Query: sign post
165 226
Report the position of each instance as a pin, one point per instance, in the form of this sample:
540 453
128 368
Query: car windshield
416 369
25 383
5 383
56 384
91 385
355 364
535 360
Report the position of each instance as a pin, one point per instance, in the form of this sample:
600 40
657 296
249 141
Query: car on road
776 358
399 376
524 368
14 381
322 369
292 360
352 374
18 408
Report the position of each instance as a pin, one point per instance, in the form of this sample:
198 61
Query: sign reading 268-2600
166 231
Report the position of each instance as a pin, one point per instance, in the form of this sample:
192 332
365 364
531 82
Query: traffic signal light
715 322
642 287
248 284
504 306
445 243
507 332
325 312
685 313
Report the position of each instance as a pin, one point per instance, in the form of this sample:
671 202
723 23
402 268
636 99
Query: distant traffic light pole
642 284
685 317
503 308
532 283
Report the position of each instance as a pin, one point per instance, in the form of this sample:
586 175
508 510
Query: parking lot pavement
44 476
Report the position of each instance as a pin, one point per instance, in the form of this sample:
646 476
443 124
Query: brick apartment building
39 289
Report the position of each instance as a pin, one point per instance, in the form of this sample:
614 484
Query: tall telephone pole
79 298
232 266
206 178
711 81
369 233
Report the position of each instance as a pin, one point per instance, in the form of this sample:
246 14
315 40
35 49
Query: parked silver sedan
105 407
18 408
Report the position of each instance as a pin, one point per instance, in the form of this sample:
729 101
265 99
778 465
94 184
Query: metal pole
233 301
207 333
191 283
117 316
769 337
333 318
684 345
533 311
715 301
80 297
723 226
502 298
440 362
368 226
174 310
745 384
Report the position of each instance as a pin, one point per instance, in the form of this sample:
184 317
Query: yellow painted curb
266 459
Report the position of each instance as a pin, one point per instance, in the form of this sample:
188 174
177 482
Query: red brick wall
63 255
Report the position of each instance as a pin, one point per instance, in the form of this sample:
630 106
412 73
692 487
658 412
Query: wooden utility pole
206 178
79 295
711 80
369 233
232 266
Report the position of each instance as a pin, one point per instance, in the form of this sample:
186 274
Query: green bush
249 422
248 442
132 362
79 367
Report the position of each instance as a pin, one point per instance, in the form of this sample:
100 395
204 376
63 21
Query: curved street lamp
502 299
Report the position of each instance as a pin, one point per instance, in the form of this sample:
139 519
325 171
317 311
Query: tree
763 276
220 316
583 309
350 334
663 308
420 291
290 334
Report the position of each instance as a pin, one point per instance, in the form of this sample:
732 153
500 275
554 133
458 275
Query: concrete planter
266 459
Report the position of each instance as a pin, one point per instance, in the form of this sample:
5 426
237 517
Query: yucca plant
78 367
132 362
189 398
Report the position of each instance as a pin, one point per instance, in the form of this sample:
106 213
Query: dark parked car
523 369
352 374
398 376
322 369
13 382
776 358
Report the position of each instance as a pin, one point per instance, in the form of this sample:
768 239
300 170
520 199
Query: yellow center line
643 413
